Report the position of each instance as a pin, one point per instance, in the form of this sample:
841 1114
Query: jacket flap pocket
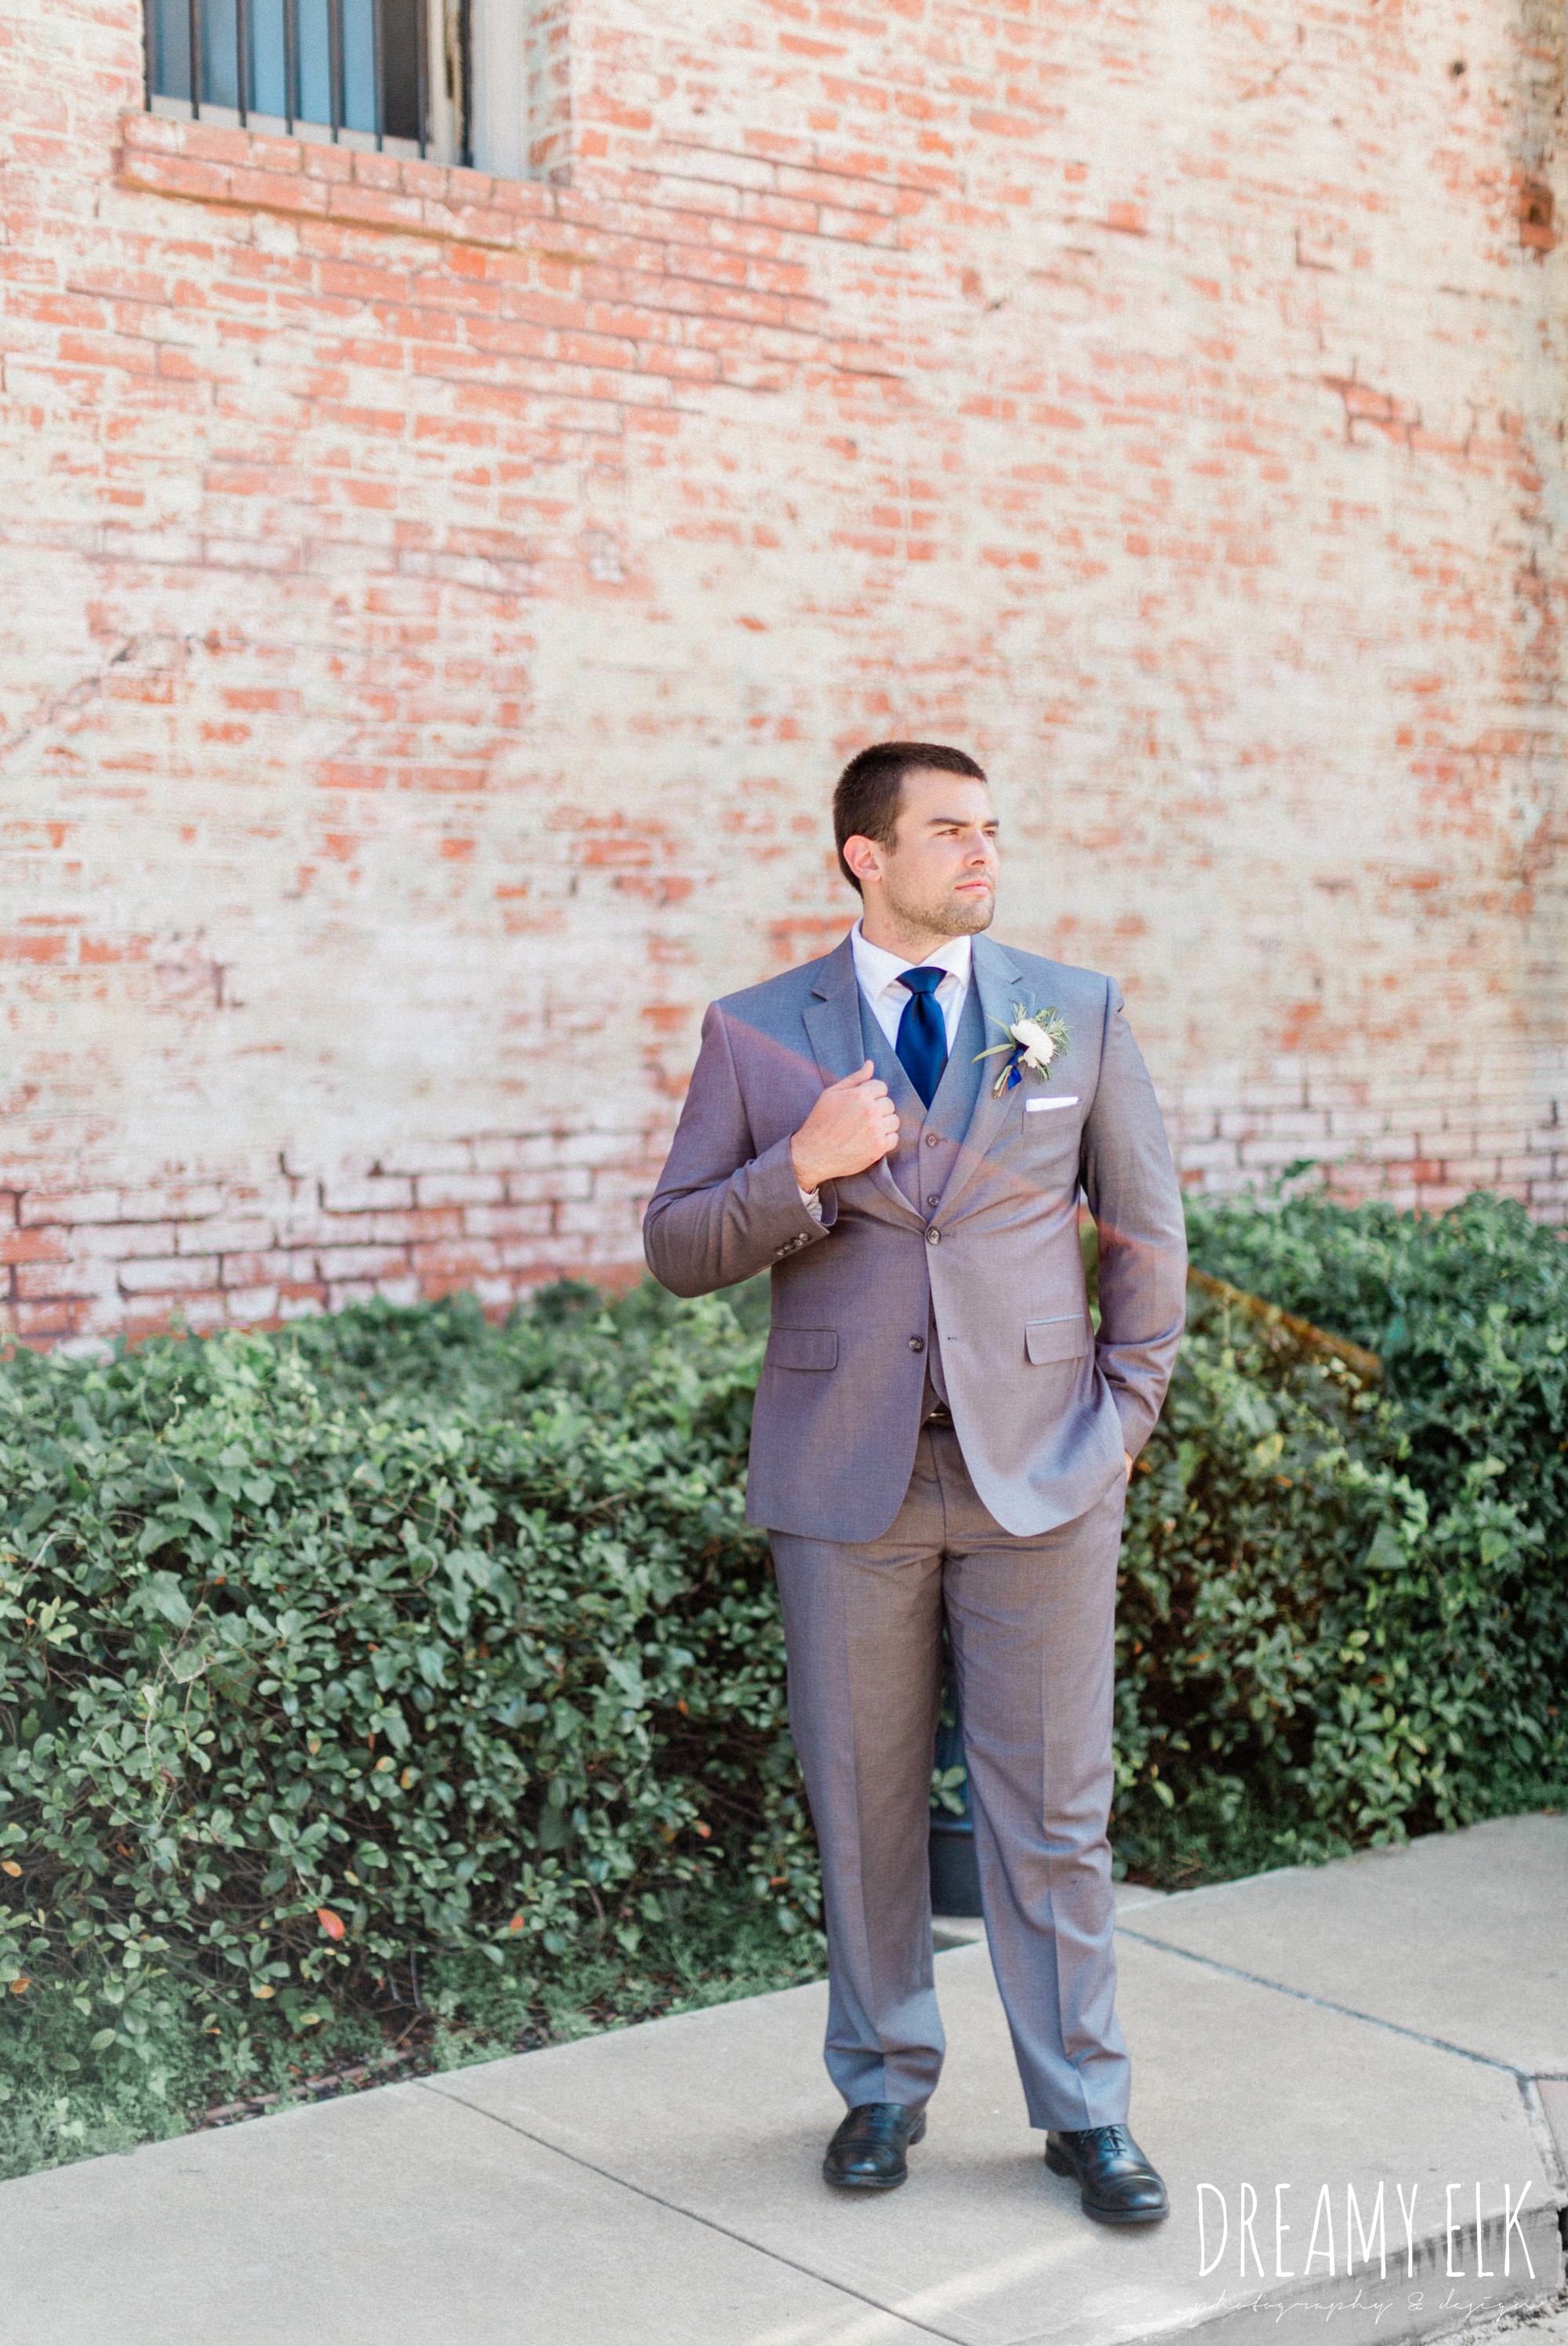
802 1348
1056 1339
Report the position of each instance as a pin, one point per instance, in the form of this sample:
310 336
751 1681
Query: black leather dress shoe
867 2153
1116 2184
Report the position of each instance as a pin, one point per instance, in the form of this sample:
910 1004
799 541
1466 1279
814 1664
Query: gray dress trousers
1031 1622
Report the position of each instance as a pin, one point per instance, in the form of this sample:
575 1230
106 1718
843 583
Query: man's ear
863 856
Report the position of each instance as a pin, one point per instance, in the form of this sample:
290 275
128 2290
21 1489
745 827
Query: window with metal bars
356 71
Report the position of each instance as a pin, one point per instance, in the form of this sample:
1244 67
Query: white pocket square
1038 1107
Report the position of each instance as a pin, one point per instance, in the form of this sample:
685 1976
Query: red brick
153 1314
33 1246
367 1261
460 1189
36 1206
508 1222
50 1324
165 1275
286 1268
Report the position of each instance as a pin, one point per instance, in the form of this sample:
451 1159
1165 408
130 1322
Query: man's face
939 874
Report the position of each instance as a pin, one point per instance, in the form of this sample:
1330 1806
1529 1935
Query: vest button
917 1344
933 1237
933 1201
934 1139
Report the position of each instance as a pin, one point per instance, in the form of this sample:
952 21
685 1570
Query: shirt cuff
812 1201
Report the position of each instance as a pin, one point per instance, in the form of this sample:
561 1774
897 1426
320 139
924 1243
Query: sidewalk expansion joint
1528 2082
1327 2003
674 2207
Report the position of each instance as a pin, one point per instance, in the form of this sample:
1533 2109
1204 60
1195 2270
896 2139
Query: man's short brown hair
866 800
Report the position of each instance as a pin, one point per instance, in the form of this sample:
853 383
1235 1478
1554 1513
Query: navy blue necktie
922 1043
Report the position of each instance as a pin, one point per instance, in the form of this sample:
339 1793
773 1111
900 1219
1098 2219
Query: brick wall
438 606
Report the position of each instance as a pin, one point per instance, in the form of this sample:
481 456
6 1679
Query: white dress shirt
879 972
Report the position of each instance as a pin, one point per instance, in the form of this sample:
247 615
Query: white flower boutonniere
1034 1039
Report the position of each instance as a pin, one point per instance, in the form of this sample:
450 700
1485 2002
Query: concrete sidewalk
1399 2019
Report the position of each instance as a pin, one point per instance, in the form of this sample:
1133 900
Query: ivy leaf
161 1592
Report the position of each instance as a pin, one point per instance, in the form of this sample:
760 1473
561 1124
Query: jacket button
933 1237
933 1140
917 1344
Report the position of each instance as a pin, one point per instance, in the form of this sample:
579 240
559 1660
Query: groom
942 1434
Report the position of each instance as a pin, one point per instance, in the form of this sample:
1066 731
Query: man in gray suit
940 1434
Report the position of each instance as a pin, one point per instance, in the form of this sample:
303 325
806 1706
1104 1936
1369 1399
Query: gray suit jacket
1042 1409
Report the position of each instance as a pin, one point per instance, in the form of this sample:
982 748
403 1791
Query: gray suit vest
929 1138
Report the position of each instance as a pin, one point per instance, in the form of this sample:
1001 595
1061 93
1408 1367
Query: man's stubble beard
952 916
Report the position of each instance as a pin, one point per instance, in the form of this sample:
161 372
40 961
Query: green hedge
395 1635
1396 1608
1468 1313
399 1638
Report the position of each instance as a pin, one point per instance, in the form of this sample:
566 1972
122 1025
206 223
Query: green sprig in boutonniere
1034 1039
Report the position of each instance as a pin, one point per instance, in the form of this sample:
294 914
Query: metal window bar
422 70
465 83
201 77
335 63
290 61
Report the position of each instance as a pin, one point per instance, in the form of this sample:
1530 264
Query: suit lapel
833 1016
832 1019
902 1166
875 1046
997 981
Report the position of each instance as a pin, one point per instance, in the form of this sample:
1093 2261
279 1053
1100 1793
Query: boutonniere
1034 1039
